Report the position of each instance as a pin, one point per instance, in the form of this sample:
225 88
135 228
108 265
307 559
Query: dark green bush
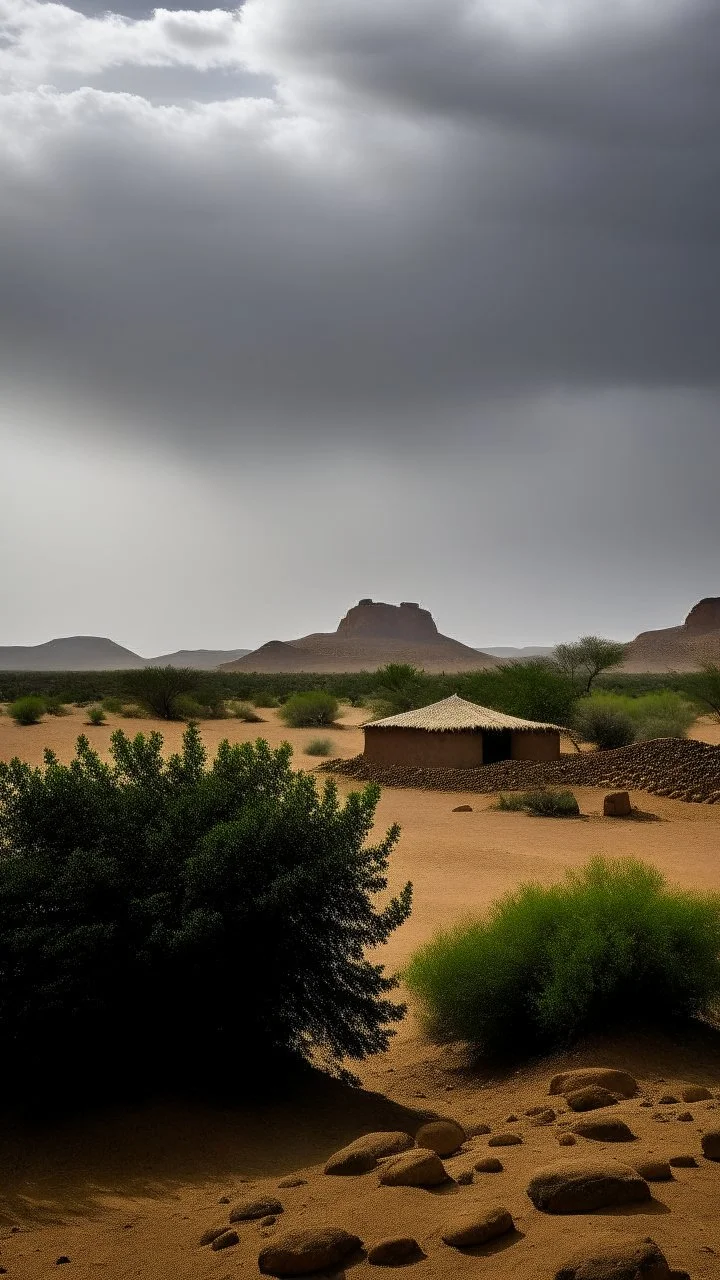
96 715
612 945
544 803
113 705
29 710
164 921
606 726
304 710
533 690
55 705
319 747
264 699
158 689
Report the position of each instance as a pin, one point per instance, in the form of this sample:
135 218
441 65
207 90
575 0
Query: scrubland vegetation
542 803
611 945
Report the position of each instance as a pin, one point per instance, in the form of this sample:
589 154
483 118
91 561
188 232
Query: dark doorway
497 745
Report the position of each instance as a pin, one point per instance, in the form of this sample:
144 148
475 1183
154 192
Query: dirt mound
684 648
682 770
369 636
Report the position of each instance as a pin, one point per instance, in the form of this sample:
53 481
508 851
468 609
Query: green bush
29 710
158 688
319 747
113 705
55 705
96 715
130 712
661 715
137 898
265 700
611 945
303 710
605 725
704 687
533 690
543 803
244 711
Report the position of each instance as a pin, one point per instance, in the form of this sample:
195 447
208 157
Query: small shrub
187 707
158 688
319 747
611 945
264 699
543 803
606 726
55 706
129 712
29 710
96 715
243 711
661 715
113 705
303 710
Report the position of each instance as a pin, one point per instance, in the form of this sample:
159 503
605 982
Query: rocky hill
683 648
370 635
97 653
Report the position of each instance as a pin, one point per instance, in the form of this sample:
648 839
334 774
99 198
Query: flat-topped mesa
704 616
406 621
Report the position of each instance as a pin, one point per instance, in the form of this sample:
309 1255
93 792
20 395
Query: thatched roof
453 714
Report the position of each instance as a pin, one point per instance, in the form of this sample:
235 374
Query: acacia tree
588 657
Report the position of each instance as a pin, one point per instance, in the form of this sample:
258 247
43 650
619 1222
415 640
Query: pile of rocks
681 769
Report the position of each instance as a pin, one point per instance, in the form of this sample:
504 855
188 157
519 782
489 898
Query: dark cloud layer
486 235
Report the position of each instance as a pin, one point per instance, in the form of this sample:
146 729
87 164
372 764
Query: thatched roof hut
456 734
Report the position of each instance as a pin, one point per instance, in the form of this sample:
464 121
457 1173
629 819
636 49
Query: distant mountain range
97 653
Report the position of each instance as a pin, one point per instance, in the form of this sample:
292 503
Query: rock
478 1228
511 1119
544 1117
710 1143
617 805
490 1164
535 1111
441 1136
363 1154
567 1140
666 1100
477 1130
604 1130
463 808
299 1253
418 1168
247 1210
291 1182
620 1082
224 1200
610 1258
685 1116
60 1262
682 1162
269 1221
211 1234
392 1250
505 1140
591 1098
654 1170
579 1186
464 1178
225 1241
696 1093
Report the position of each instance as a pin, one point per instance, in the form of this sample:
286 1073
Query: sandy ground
128 1193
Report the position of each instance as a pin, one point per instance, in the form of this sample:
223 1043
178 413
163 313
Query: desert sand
128 1193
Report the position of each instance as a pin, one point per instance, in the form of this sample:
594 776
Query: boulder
292 1182
225 1241
418 1168
477 1130
710 1143
490 1164
247 1210
462 808
580 1186
617 805
685 1116
696 1093
667 1100
441 1136
395 1249
591 1098
616 1081
682 1162
567 1140
654 1170
544 1117
464 1178
212 1233
299 1253
605 1130
477 1228
505 1140
363 1154
610 1258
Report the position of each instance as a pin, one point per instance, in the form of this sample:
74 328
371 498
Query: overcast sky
310 300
